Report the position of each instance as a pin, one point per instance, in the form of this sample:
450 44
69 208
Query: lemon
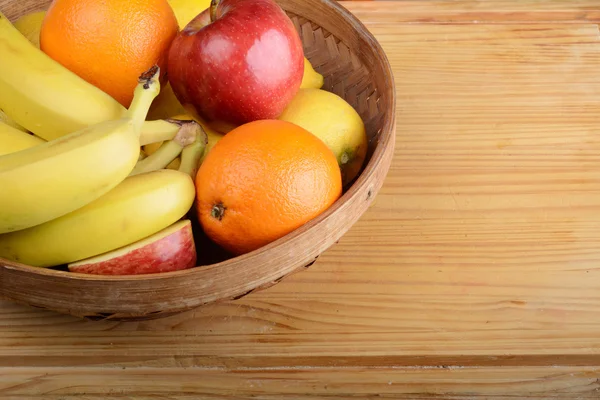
187 10
335 122
30 25
311 78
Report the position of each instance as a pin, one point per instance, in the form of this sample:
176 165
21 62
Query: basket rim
386 139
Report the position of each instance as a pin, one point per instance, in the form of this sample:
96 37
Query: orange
263 180
109 43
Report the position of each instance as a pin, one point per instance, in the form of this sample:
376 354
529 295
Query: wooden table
475 274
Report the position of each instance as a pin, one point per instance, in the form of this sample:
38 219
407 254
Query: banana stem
163 130
191 155
159 159
159 131
170 150
145 92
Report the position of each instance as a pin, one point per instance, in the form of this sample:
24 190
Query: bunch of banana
49 100
74 181
88 192
54 178
138 207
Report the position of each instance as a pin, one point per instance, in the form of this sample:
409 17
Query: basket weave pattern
343 72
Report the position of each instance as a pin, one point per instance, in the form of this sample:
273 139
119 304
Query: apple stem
213 10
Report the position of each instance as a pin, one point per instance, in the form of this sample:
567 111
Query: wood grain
474 275
407 383
476 11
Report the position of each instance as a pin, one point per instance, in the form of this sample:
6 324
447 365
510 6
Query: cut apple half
171 249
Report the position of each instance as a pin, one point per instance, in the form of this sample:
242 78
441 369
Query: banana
8 121
50 180
138 207
13 140
49 100
191 155
169 150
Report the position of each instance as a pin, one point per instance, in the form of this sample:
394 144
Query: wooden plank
475 11
354 383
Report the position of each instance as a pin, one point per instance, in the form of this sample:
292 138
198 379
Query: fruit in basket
311 78
109 43
138 207
30 26
263 180
166 105
237 62
334 121
13 140
171 249
187 10
57 177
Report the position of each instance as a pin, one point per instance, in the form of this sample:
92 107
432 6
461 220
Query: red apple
237 62
171 249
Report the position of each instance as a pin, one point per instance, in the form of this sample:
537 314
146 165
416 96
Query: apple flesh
237 62
171 249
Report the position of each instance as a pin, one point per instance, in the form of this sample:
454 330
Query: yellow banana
13 140
138 207
49 100
170 150
191 155
50 180
8 121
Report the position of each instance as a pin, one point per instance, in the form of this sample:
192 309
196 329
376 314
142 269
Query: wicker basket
356 68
